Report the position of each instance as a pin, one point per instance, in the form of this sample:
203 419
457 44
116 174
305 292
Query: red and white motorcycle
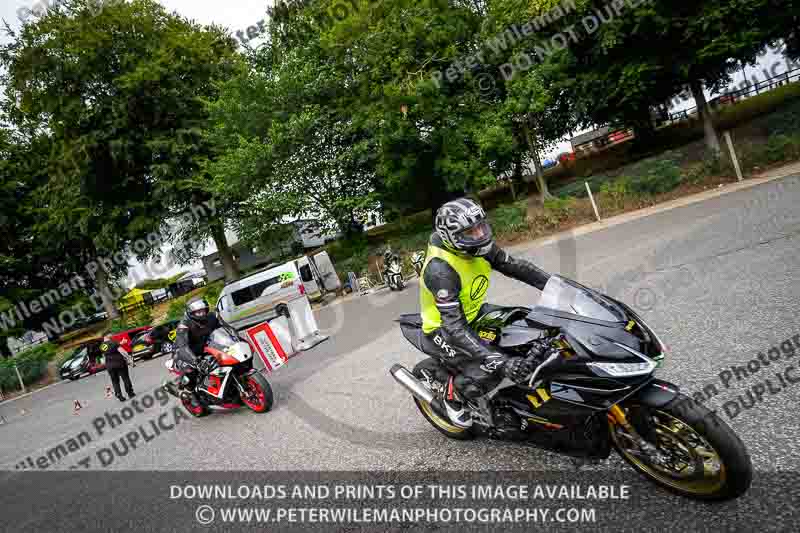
230 384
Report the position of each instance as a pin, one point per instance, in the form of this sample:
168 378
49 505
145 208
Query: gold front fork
617 415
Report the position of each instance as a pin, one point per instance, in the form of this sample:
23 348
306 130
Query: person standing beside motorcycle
460 257
117 366
191 337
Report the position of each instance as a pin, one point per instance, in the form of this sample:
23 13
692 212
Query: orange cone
77 407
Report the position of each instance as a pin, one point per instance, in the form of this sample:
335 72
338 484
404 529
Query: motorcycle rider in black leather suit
460 257
190 340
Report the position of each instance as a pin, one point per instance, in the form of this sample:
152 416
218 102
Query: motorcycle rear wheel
707 460
441 424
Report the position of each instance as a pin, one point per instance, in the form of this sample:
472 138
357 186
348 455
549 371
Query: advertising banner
267 345
282 330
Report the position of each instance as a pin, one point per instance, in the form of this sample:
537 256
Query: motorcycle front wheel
194 406
701 457
258 393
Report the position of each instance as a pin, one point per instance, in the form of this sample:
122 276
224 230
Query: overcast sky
240 14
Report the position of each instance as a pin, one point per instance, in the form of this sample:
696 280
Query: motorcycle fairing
214 384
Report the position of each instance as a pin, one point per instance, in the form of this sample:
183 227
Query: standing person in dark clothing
117 366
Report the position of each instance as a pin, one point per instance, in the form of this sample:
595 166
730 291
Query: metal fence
732 97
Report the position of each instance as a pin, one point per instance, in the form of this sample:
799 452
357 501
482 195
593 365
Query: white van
318 275
255 298
310 277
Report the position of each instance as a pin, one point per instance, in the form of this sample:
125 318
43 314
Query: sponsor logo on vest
439 341
479 287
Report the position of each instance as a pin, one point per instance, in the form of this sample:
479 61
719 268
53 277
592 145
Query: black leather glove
208 364
518 369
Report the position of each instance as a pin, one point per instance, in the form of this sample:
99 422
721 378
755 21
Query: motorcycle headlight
620 370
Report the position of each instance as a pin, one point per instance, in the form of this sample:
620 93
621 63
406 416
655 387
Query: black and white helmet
197 311
462 226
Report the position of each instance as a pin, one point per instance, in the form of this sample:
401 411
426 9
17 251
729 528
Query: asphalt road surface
717 280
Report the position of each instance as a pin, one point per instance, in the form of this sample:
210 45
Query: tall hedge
32 364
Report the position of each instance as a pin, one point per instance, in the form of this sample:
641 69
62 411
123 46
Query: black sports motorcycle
593 390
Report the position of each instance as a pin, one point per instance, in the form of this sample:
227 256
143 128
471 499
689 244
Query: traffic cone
77 407
108 392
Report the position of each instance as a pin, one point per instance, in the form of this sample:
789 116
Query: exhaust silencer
412 384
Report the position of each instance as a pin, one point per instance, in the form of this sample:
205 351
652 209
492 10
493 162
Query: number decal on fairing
487 335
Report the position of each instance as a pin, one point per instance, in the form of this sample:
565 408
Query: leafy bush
212 293
555 211
558 209
708 167
616 191
781 147
786 121
176 309
134 319
32 364
778 148
655 176
509 218
765 110
577 188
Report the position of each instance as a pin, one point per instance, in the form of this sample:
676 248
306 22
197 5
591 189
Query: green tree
35 277
621 64
289 147
434 134
113 91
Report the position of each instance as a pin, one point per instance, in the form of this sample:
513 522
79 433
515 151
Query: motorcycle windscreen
566 296
222 338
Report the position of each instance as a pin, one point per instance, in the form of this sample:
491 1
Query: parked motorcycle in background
418 260
393 271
